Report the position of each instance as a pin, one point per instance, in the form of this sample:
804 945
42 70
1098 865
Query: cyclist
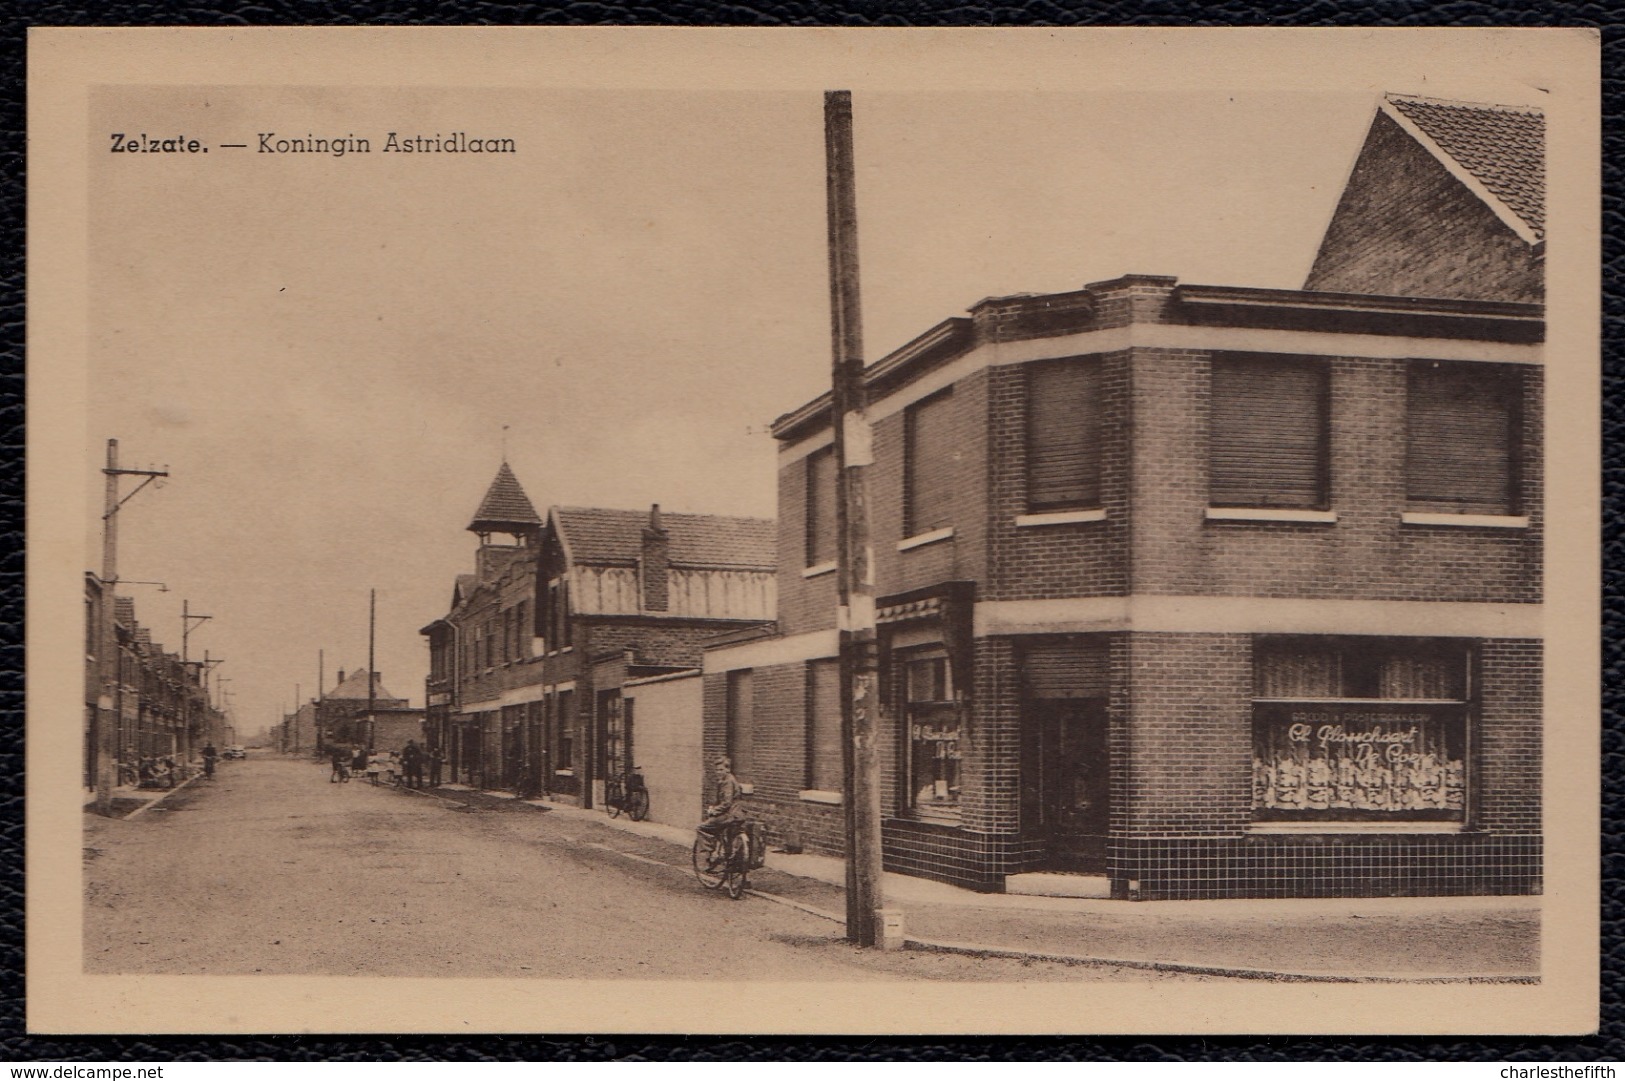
726 808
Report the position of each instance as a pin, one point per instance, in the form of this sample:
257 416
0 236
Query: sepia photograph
920 531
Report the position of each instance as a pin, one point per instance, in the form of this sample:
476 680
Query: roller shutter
1063 435
1067 669
1459 437
931 459
1268 435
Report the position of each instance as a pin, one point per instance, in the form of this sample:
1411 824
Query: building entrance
1074 781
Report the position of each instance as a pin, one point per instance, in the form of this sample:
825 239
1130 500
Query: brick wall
1509 736
1367 554
1189 732
1405 226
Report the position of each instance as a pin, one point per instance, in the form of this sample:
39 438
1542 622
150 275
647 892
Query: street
269 868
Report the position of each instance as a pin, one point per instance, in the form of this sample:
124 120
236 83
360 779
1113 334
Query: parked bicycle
629 795
725 858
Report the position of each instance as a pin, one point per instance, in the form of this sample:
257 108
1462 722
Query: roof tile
505 504
601 535
1502 147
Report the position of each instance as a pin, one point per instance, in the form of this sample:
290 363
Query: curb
971 949
150 804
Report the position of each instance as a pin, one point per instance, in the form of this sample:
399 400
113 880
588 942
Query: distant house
526 668
484 676
1447 200
344 717
155 704
624 595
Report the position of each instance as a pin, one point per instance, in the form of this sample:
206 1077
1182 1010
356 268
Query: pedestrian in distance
375 766
412 763
209 756
358 761
341 766
437 761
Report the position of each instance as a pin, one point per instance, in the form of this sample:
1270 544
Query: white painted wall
666 740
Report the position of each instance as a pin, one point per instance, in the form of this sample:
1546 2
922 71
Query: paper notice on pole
858 439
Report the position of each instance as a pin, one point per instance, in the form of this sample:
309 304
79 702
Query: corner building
1200 591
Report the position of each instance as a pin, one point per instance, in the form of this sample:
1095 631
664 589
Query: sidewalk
129 801
1445 939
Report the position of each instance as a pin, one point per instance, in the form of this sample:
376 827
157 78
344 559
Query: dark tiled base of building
1321 865
1325 866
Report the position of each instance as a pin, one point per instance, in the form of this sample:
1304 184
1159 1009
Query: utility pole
321 697
107 718
372 673
187 619
855 616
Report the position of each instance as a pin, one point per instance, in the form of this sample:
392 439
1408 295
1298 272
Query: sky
332 355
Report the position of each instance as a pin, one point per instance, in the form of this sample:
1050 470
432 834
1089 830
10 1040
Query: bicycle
630 796
726 858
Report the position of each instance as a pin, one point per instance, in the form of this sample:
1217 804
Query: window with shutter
824 767
741 733
930 456
1065 669
1063 435
821 506
1460 445
1268 434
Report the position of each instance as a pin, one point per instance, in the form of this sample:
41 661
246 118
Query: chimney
656 563
340 683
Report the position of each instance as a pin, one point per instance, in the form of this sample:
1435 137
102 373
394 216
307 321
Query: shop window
825 769
929 456
1360 730
933 755
1267 444
821 507
1461 423
1063 435
740 721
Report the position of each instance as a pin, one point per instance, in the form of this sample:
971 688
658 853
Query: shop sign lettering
1393 745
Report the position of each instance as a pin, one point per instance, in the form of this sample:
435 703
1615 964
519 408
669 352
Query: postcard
575 530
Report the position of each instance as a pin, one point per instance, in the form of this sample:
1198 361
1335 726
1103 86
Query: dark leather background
16 1047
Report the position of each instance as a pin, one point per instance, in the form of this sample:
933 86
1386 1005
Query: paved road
271 869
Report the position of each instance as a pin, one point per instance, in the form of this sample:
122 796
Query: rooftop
1502 147
506 508
602 535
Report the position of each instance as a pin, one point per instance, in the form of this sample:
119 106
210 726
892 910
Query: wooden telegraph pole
855 616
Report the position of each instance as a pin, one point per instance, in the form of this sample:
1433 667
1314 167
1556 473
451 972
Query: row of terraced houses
1185 590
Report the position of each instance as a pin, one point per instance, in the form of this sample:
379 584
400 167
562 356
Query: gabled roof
601 535
506 508
1498 151
354 685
